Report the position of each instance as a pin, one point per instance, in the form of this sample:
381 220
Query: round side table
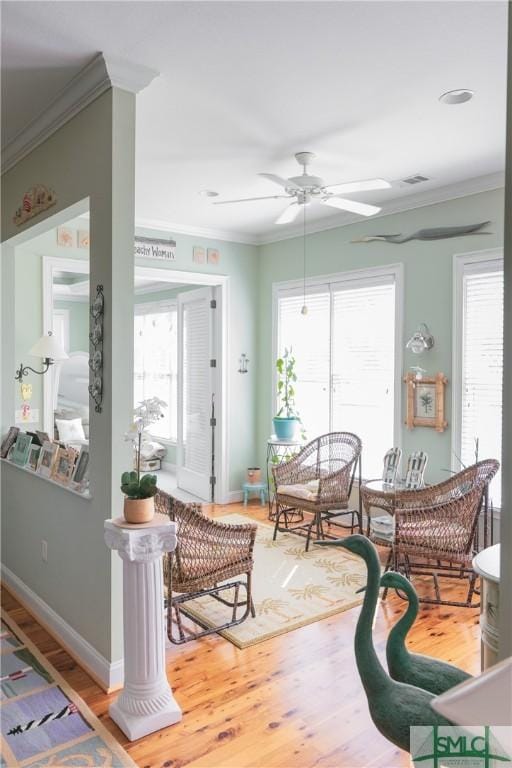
278 450
487 564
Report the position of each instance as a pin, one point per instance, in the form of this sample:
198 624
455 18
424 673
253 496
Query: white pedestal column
146 703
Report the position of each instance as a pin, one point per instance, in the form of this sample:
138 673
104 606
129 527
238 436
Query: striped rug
43 721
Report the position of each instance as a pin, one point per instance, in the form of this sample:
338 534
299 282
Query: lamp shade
49 347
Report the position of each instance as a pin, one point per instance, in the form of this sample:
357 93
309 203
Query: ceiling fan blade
289 214
363 209
358 186
286 183
250 199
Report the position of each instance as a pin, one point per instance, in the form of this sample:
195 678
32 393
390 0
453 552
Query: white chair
414 477
391 464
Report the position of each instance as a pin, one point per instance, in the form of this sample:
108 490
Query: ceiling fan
305 189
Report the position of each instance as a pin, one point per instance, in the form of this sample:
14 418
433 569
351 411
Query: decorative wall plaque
425 401
36 200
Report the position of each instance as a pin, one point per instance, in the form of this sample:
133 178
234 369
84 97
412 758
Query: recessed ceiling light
458 96
208 193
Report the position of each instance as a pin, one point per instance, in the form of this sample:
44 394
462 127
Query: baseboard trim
234 497
108 675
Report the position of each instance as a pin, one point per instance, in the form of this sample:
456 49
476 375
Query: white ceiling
245 85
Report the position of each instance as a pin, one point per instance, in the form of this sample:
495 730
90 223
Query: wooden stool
260 488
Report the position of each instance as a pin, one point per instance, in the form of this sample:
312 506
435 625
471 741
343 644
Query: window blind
482 369
155 363
345 353
363 336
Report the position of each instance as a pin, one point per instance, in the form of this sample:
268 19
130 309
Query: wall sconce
49 349
421 340
242 363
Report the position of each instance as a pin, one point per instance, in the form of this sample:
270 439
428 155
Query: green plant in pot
139 491
287 418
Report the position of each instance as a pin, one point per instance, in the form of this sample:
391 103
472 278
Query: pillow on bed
70 429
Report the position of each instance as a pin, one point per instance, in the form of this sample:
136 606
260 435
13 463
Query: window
478 368
345 352
155 362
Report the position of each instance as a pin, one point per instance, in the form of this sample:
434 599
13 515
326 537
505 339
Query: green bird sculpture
394 707
412 668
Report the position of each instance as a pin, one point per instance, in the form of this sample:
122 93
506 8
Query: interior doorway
180 351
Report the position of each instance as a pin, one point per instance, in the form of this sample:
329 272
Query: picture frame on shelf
80 476
47 457
44 437
426 401
64 465
8 441
33 457
21 449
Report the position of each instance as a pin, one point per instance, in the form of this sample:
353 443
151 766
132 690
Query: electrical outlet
44 550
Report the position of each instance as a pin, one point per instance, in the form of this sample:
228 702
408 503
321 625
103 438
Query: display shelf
86 495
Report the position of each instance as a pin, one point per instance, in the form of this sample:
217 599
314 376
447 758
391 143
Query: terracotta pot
254 475
139 510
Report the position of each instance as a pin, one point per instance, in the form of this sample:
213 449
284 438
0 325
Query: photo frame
80 476
425 401
198 254
33 457
64 465
21 449
8 441
213 255
47 458
44 437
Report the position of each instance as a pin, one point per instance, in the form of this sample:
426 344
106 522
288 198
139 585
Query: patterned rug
44 722
291 587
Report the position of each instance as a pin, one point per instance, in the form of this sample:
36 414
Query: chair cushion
307 491
382 527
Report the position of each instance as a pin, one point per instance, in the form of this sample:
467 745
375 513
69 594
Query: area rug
291 587
44 722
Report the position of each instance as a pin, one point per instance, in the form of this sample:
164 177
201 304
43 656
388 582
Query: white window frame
464 263
396 271
144 308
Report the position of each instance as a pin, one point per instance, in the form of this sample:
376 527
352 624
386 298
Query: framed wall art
425 401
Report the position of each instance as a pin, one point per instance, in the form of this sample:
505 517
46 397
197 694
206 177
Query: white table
487 564
146 702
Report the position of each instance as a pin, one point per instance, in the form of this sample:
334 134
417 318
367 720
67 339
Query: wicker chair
438 524
319 481
210 559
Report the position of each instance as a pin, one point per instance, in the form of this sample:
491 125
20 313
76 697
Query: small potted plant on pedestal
287 418
139 503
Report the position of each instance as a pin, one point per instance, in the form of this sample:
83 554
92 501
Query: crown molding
206 233
100 74
398 205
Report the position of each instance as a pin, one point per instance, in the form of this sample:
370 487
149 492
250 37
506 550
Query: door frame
222 283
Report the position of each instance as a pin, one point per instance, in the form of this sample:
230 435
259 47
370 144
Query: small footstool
260 488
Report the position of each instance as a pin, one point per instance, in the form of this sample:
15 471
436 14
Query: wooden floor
294 701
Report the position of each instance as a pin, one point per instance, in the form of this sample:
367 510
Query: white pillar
146 703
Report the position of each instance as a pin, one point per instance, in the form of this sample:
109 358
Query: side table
260 488
146 703
278 450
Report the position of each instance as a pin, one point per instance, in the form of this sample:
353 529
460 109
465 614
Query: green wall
78 324
427 293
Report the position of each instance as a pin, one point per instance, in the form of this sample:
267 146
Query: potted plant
287 418
139 503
